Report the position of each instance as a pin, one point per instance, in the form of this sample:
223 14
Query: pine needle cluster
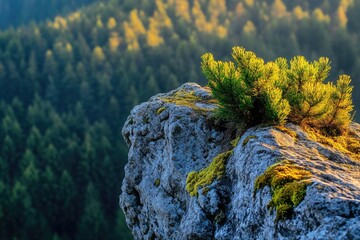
251 92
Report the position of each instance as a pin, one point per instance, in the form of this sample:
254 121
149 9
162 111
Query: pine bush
250 91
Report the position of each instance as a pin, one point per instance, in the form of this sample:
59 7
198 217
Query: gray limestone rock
174 133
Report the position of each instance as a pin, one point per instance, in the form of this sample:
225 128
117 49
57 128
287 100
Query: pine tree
8 153
136 23
299 13
92 224
131 37
278 9
32 70
111 23
114 41
27 159
4 207
341 17
121 230
22 214
50 65
98 55
182 9
66 193
153 37
249 27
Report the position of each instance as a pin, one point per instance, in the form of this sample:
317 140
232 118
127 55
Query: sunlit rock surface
173 134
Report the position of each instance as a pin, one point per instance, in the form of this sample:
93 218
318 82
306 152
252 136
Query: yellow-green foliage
347 143
251 91
341 103
188 99
247 139
288 183
206 176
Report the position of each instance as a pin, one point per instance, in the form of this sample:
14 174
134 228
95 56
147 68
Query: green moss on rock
288 184
157 182
160 110
206 176
348 143
188 99
286 130
247 139
235 142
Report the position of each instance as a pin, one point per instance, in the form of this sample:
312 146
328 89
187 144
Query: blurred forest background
71 71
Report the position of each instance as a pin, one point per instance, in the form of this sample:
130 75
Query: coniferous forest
70 75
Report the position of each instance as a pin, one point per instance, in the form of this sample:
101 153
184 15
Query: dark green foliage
93 217
250 91
46 163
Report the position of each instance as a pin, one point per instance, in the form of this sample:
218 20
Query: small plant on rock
250 91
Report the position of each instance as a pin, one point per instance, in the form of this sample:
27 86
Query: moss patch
157 182
248 138
286 130
160 110
146 119
348 143
288 183
188 99
235 142
205 191
206 176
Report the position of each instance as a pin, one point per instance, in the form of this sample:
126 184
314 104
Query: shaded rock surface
168 139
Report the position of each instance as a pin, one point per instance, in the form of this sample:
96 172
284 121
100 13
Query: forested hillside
16 12
67 85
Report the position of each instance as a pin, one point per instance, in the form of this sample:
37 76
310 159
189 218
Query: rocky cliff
187 178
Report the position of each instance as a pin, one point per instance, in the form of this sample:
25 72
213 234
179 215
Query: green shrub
250 91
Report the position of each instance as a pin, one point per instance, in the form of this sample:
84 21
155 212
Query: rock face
174 134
